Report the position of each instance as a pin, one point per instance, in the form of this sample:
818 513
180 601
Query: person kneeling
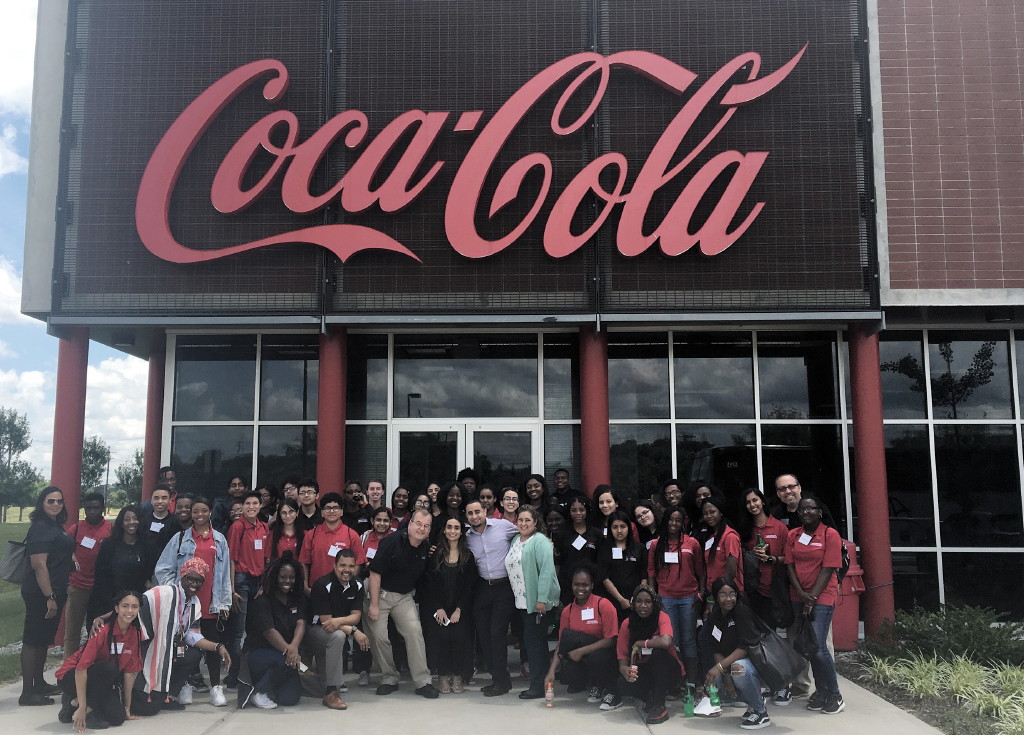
276 626
648 662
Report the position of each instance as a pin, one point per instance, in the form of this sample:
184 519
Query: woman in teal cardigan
531 570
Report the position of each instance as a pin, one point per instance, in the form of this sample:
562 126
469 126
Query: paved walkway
472 714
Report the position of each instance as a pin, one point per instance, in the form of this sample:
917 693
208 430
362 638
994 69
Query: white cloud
11 162
10 295
30 392
17 56
6 351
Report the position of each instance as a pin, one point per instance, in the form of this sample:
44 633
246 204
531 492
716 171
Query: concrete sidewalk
472 713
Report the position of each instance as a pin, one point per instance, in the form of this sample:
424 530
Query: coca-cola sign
295 161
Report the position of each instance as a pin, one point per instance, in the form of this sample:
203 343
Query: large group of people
655 599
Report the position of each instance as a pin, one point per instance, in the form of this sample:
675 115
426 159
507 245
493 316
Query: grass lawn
12 610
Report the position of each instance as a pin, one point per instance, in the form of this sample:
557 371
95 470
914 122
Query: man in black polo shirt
336 606
400 562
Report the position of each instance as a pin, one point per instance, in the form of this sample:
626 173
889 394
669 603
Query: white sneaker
185 695
364 678
217 698
262 701
342 688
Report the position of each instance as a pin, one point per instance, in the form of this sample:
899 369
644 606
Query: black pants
656 676
493 608
452 646
209 630
598 668
103 691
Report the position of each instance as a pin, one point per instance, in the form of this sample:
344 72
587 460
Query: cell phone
303 668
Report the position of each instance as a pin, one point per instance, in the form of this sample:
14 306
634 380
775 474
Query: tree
18 478
129 478
95 460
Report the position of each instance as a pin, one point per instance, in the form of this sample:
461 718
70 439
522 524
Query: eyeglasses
787 487
810 509
422 502
54 501
330 508
307 492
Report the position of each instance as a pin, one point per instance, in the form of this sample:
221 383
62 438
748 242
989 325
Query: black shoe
66 714
493 690
198 683
47 689
230 682
172 705
94 722
428 691
816 702
385 689
34 700
531 694
245 692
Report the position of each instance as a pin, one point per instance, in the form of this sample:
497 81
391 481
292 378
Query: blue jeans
271 674
535 641
822 665
748 685
682 613
246 585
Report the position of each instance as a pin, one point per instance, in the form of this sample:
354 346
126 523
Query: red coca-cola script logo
295 163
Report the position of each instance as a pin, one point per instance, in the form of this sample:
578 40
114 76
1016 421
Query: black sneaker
611 701
783 698
198 683
657 716
755 721
816 702
834 705
245 692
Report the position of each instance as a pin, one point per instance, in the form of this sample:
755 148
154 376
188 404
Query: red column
330 453
69 417
878 602
154 423
595 451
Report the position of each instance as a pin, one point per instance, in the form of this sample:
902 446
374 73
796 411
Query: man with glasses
396 569
788 489
309 515
290 488
321 545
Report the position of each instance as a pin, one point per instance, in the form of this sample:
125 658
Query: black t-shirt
266 612
626 571
358 520
47 537
399 563
331 597
735 631
308 523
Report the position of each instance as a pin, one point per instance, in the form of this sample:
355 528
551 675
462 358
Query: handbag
804 639
14 565
782 608
775 660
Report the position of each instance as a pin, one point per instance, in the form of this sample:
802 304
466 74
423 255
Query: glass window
367 379
215 378
979 486
562 450
561 376
814 454
723 454
797 375
286 450
970 376
902 365
366 453
289 377
638 376
969 576
503 457
206 457
641 456
470 375
915 580
714 376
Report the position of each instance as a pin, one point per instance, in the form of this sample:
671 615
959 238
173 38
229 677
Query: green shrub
976 633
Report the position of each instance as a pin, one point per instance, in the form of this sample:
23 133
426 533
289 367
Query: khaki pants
329 650
74 618
402 608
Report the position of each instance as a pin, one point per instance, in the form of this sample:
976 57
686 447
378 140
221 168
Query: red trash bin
846 618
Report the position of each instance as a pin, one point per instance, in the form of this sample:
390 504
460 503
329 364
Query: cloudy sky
115 405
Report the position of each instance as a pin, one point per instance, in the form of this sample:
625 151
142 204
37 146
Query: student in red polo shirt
587 633
322 544
88 536
248 541
382 523
98 677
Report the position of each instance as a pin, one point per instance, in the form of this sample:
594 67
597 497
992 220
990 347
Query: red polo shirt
249 544
680 578
321 545
87 547
124 650
622 648
823 548
774 533
597 617
728 545
206 549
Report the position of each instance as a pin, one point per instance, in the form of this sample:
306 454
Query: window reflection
367 380
561 376
289 375
722 454
966 575
979 487
215 378
366 453
286 450
903 395
970 378
638 376
503 457
205 457
916 581
471 375
714 376
641 456
812 453
797 375
562 449
425 457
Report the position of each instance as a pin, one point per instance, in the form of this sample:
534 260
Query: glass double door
502 455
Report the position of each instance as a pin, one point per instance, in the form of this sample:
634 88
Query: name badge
671 557
258 544
709 543
117 647
604 531
295 610
716 633
328 587
804 539
587 613
156 527
646 651
333 551
616 553
370 553
316 619
579 543
88 542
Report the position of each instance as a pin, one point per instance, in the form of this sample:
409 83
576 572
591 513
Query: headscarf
195 565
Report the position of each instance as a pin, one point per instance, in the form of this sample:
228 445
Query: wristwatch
52 596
